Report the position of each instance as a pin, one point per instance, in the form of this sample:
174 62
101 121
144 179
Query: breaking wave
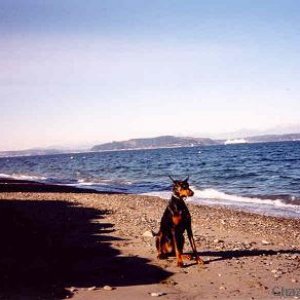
212 197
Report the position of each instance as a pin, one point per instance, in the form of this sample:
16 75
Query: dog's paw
180 264
161 256
187 256
200 261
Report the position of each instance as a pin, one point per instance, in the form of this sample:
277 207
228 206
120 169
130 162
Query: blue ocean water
264 178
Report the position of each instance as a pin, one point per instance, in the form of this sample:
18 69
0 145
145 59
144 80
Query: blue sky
81 72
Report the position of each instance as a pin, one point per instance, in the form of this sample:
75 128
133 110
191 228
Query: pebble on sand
148 234
157 294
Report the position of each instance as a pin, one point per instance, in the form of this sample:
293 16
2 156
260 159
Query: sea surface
262 178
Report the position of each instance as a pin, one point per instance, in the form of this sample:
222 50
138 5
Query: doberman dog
174 222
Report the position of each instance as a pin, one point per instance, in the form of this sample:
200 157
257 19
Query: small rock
274 271
148 234
73 289
216 241
108 288
258 284
264 242
294 280
157 294
92 288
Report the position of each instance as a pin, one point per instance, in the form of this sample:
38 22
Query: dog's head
181 188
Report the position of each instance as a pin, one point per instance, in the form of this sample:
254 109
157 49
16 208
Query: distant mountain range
159 142
172 141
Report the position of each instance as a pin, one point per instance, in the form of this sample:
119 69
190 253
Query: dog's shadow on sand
49 246
230 254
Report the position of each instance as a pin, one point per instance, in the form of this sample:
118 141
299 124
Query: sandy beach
99 246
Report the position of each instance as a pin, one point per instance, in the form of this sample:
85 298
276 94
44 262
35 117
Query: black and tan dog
174 222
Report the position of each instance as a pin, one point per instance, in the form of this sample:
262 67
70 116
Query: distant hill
173 141
157 142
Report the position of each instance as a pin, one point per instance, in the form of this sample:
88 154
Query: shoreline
10 185
86 241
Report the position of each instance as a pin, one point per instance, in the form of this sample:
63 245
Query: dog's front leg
177 251
193 245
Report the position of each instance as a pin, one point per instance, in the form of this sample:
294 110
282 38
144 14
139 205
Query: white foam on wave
23 177
84 181
212 197
2 175
217 195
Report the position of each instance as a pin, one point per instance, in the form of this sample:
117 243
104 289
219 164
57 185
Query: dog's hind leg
159 247
164 246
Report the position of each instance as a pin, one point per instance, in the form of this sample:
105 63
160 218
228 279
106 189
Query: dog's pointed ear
173 180
187 179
